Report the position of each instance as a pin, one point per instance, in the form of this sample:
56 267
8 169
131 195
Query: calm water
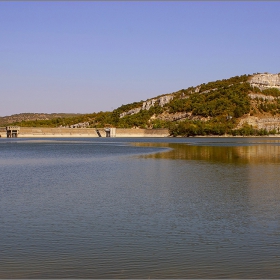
140 208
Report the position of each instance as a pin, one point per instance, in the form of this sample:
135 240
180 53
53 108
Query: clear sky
84 57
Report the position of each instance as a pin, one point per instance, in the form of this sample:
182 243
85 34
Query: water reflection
249 154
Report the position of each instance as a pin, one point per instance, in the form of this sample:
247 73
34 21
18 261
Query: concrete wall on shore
129 132
3 132
58 132
88 132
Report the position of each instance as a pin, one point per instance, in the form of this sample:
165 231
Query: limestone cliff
261 122
265 80
146 105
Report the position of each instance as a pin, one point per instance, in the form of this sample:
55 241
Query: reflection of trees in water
260 153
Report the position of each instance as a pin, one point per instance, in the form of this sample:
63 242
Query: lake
140 208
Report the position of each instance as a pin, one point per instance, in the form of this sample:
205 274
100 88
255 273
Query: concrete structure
129 132
110 132
12 131
91 132
61 132
3 132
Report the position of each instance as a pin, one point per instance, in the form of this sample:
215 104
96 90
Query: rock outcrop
264 81
268 123
161 101
180 116
130 112
261 96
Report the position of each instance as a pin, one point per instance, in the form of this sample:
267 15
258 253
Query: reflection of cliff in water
258 153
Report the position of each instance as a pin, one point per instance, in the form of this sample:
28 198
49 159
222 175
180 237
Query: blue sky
84 57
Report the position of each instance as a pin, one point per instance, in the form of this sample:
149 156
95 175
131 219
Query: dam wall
3 132
130 132
58 132
88 132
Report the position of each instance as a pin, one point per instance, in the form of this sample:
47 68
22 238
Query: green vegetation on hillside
224 82
264 105
222 101
18 118
52 122
141 119
269 91
217 126
231 100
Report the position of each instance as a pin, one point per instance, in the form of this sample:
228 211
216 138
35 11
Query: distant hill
17 118
241 105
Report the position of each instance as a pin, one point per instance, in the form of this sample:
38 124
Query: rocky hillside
247 104
257 82
241 105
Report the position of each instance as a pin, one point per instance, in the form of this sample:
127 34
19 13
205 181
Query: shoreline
43 132
135 136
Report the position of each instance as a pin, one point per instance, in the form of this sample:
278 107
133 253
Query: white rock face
164 100
264 81
130 112
261 96
161 101
174 117
79 125
148 104
268 123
